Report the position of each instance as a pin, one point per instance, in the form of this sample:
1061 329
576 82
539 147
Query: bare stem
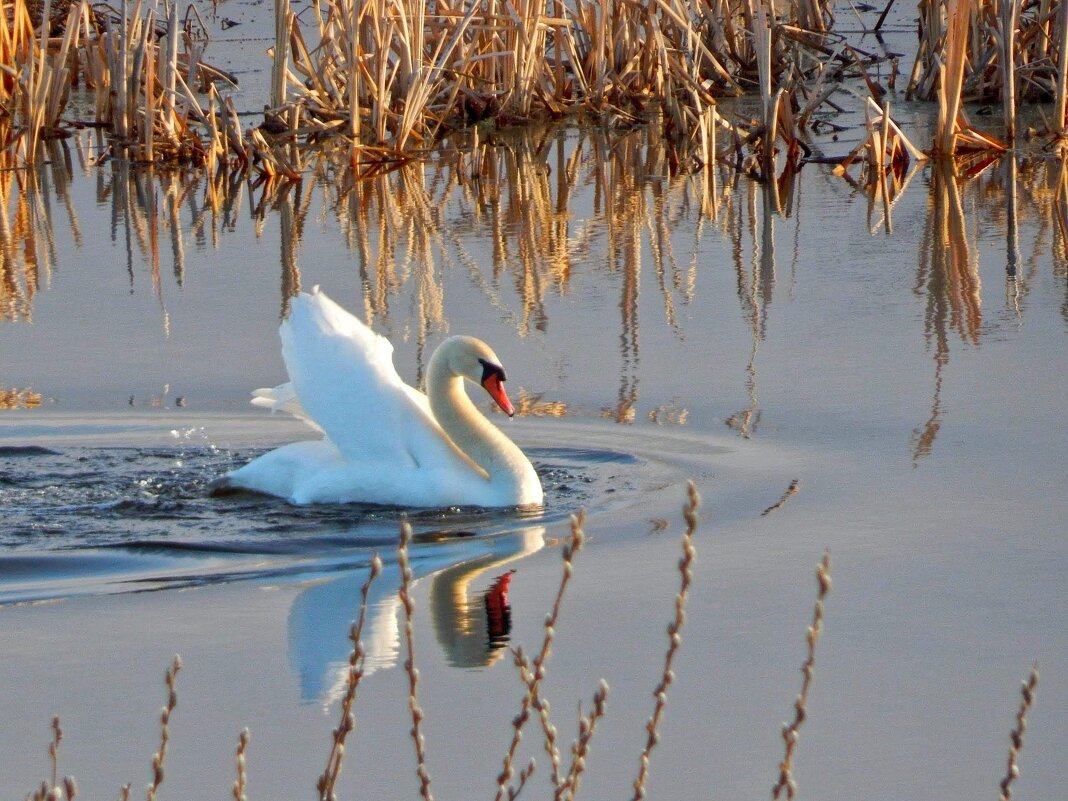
53 748
409 664
537 672
160 757
242 777
1027 690
347 723
689 513
568 789
790 731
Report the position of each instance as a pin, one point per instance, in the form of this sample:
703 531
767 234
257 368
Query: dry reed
401 244
20 398
790 731
393 77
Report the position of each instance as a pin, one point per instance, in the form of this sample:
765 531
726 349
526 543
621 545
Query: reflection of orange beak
495 387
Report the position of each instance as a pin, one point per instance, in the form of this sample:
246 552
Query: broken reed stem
348 718
538 668
409 664
160 757
790 731
689 513
242 777
1027 690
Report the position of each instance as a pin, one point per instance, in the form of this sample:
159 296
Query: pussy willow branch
790 732
568 789
160 757
242 775
543 708
409 665
538 667
348 720
1027 690
689 513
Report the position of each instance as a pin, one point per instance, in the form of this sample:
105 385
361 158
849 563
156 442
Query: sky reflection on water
151 288
899 354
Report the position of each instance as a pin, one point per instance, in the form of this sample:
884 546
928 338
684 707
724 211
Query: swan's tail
282 398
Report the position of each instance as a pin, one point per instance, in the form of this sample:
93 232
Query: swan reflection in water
468 610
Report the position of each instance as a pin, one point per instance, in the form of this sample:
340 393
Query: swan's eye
489 369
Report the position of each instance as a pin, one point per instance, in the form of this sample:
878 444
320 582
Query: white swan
383 441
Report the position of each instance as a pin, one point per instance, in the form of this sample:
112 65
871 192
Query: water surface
907 369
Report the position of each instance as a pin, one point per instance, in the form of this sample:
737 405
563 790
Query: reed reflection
1060 239
948 278
15 398
27 243
754 266
553 206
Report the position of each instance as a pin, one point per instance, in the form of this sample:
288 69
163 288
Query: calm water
905 364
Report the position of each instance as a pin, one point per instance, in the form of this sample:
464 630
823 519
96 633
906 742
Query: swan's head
474 360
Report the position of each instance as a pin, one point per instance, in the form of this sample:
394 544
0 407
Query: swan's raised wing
283 398
343 375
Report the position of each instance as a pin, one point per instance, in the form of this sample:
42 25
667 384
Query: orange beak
493 384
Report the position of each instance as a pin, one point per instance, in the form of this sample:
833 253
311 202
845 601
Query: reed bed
1009 52
392 78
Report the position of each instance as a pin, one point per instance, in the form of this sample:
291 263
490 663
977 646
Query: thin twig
568 789
160 757
791 491
1027 690
538 667
53 748
543 708
674 631
242 776
790 731
409 665
347 723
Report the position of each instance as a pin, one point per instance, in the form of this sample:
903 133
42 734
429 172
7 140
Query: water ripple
106 519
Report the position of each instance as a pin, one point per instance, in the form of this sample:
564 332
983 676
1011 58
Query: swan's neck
471 432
